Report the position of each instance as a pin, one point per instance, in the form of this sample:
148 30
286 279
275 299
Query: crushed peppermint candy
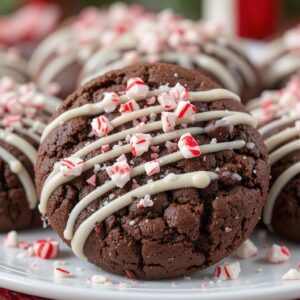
145 202
61 273
92 180
139 143
188 146
105 148
179 92
167 101
278 254
46 248
247 250
129 106
99 279
71 166
152 167
11 240
101 126
119 173
292 274
110 102
136 88
172 147
168 120
185 110
228 271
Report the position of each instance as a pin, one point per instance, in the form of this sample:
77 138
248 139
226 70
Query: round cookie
278 114
57 61
12 64
24 112
152 171
281 59
197 45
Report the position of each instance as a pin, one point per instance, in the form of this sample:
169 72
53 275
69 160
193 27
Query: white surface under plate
258 278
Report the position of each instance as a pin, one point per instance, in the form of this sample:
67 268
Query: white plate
258 278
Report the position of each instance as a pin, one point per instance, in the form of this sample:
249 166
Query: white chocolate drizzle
165 160
97 108
200 180
280 144
25 179
275 190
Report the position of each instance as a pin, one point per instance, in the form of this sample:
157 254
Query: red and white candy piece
11 240
188 146
247 250
92 180
168 120
179 92
167 101
152 167
110 102
12 121
71 166
101 126
46 249
185 110
139 143
61 273
136 88
128 107
292 274
278 254
145 202
228 271
119 173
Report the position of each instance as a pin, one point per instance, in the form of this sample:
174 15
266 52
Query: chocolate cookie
12 64
57 61
24 112
196 45
281 59
152 171
278 114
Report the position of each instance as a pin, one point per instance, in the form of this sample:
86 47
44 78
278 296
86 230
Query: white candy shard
168 120
11 240
71 166
139 143
136 88
291 274
110 102
152 167
167 101
247 250
101 126
228 271
99 279
278 254
145 202
61 273
119 173
185 110
128 107
179 92
188 146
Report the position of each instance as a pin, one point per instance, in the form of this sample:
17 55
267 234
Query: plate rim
45 289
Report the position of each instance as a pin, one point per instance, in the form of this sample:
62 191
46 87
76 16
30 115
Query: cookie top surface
152 142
